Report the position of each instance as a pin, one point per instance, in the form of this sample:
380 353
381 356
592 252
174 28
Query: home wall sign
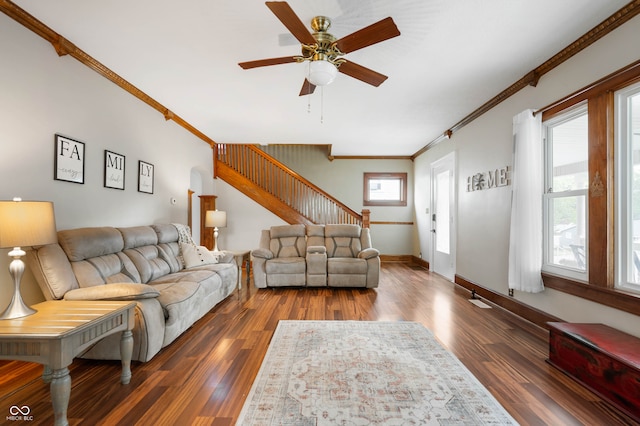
487 180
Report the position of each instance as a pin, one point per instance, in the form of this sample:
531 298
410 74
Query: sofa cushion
138 236
177 297
141 246
52 270
115 291
95 256
80 244
166 233
168 241
149 262
109 268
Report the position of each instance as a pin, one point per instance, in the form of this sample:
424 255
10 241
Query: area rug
365 373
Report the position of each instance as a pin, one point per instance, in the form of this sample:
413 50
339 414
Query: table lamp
215 219
24 224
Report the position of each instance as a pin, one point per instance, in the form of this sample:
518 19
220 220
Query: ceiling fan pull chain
308 97
321 104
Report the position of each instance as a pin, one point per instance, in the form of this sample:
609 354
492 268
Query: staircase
278 188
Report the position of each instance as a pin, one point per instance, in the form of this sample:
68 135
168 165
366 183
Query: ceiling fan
324 52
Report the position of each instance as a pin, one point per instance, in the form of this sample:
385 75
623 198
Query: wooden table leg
60 389
126 351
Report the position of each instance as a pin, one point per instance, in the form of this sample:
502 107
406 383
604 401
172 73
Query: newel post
366 221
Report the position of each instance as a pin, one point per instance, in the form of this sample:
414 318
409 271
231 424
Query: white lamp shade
215 219
27 223
322 73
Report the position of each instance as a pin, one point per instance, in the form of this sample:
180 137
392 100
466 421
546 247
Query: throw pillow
197 255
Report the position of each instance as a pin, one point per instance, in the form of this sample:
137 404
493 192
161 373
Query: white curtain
525 241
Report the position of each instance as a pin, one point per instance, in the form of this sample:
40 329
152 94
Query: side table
242 256
58 332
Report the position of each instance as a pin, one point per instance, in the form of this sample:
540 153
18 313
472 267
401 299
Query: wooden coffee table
61 330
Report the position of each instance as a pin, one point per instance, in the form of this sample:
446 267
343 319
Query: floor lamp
24 224
215 219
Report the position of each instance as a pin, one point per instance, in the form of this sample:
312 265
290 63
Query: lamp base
17 307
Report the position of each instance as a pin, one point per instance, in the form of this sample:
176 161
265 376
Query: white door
443 208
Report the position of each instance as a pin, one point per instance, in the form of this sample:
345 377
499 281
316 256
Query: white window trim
547 251
623 166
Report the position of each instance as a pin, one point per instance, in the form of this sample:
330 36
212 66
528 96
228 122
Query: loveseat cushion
342 240
286 271
288 241
346 272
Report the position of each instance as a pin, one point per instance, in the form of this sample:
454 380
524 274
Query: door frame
448 161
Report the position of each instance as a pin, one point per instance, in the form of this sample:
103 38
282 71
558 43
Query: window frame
550 195
600 286
370 176
623 164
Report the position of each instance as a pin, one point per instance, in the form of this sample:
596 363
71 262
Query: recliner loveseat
338 255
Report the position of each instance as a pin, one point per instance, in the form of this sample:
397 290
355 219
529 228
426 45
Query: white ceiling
451 57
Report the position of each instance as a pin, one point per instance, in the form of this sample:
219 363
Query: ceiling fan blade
267 62
288 17
307 88
362 73
374 33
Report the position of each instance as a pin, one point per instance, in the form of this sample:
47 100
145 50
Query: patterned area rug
365 373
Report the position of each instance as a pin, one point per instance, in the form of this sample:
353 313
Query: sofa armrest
262 253
115 291
316 249
368 253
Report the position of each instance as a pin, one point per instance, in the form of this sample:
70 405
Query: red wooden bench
603 359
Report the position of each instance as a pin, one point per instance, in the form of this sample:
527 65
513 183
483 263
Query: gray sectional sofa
316 256
173 284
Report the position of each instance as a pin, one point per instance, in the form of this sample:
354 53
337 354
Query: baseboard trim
514 306
404 258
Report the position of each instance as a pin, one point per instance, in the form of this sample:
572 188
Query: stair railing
283 183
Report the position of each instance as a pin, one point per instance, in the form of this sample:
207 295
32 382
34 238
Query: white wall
42 94
486 144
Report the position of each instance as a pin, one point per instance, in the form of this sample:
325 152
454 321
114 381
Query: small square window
385 189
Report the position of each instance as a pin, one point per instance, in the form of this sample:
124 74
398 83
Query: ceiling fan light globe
322 73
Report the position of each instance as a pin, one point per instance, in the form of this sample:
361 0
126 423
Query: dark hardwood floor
204 377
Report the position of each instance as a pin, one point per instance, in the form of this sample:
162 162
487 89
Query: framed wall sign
68 160
113 170
145 177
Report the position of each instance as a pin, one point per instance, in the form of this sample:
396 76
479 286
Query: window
385 189
612 206
565 199
627 130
